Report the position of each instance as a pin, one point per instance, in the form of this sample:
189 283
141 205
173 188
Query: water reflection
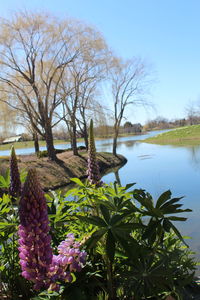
195 156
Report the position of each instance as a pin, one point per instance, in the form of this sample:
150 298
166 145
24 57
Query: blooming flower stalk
35 242
93 168
37 261
15 183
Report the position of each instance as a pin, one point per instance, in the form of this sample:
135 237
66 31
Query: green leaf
105 213
129 185
163 198
151 229
130 246
170 202
173 218
166 225
95 220
117 219
77 181
96 236
174 210
110 246
177 233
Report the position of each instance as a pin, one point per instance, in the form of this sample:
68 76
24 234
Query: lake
156 169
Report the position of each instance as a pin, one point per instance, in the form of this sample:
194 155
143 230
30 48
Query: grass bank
183 136
54 175
28 144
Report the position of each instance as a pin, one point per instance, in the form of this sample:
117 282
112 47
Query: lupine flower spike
37 261
93 168
34 239
15 183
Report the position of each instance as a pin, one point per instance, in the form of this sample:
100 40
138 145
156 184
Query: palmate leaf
144 199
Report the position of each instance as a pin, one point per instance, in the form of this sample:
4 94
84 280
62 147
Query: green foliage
5 180
136 240
134 249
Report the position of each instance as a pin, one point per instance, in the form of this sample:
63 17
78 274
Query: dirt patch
53 175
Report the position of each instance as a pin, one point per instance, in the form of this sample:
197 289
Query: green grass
183 136
29 144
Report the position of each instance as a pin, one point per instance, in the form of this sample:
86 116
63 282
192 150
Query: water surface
156 169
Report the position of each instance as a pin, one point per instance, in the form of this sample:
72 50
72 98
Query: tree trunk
74 141
115 142
116 132
36 142
117 177
49 143
86 136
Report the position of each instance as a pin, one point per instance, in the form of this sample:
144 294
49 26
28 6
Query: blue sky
166 33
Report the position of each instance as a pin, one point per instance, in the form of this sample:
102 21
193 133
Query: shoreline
54 175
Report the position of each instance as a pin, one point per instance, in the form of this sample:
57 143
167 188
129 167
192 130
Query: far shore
42 143
187 136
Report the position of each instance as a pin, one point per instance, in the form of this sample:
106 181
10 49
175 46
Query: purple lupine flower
15 183
37 261
35 242
93 168
69 259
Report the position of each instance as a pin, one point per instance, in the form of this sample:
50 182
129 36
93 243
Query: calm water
156 169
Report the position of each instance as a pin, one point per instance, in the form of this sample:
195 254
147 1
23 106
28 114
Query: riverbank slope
183 136
54 175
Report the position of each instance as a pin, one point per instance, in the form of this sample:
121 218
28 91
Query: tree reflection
195 156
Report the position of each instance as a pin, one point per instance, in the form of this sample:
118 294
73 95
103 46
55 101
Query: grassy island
183 136
53 175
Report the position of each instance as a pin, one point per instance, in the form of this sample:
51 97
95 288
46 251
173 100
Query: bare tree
193 112
34 52
80 82
129 81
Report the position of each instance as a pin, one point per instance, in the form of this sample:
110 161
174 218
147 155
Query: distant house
132 128
12 139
